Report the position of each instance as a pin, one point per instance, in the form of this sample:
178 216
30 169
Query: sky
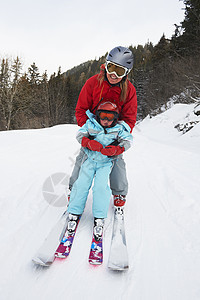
63 33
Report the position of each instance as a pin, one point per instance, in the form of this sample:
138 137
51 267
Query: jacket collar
92 118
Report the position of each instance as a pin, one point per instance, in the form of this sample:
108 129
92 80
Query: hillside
162 214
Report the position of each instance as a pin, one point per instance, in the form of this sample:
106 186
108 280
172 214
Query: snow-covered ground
162 215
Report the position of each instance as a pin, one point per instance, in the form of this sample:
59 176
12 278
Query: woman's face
113 79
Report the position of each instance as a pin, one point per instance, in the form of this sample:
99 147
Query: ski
118 258
96 250
46 254
65 246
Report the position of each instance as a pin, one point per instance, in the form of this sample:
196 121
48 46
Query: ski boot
68 196
98 228
72 223
64 248
119 202
96 250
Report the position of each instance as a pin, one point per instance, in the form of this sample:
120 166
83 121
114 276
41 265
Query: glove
91 144
112 150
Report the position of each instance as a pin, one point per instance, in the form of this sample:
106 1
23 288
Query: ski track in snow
162 216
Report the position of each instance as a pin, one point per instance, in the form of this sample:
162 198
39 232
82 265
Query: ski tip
118 268
95 262
61 255
37 261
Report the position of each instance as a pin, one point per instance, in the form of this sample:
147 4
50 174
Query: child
102 139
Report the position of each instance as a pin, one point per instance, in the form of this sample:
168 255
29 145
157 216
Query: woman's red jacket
92 92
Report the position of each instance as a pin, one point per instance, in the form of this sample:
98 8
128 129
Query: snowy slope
162 215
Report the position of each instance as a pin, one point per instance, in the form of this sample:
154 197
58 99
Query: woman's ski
118 258
46 254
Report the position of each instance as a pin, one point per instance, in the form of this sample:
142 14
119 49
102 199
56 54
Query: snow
162 215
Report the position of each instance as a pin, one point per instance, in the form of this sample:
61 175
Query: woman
113 85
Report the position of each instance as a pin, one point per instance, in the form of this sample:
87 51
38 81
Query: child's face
105 123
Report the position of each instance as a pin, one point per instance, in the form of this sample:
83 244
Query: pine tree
33 74
189 41
161 50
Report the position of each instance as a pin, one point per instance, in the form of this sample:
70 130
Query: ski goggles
119 71
107 116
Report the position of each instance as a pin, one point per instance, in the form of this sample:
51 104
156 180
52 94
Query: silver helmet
121 56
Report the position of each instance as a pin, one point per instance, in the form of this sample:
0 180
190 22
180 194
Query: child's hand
112 150
91 144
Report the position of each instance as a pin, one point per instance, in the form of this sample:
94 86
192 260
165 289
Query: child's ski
64 248
118 258
46 253
96 250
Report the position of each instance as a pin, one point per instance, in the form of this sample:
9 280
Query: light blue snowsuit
97 166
